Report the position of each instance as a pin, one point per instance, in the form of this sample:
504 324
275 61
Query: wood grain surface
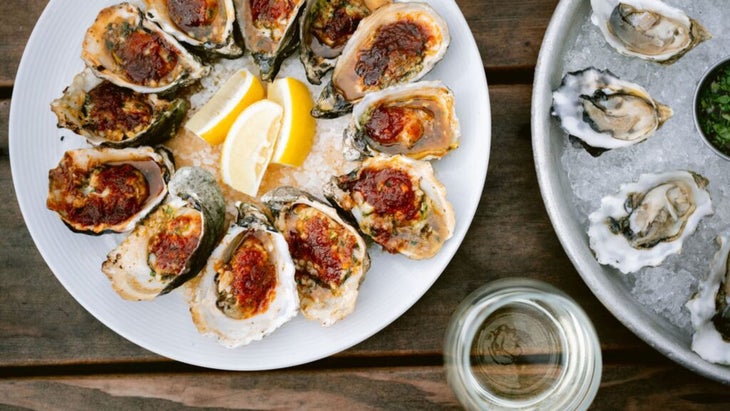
54 355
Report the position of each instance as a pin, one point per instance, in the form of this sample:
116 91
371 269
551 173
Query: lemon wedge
247 149
298 126
214 119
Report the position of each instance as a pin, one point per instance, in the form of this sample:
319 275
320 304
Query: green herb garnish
713 110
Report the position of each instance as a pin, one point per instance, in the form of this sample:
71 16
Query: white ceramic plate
163 326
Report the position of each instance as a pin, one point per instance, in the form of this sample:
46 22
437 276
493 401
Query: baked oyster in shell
124 47
648 220
398 202
606 112
329 255
247 289
109 115
99 190
206 25
710 309
398 43
648 29
417 120
172 244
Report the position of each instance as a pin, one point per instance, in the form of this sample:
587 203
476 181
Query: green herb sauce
713 108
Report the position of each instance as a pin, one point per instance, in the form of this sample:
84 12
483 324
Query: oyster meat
648 29
98 190
124 47
247 289
415 119
647 221
398 43
398 202
207 25
710 309
171 245
270 30
109 115
604 111
325 29
329 255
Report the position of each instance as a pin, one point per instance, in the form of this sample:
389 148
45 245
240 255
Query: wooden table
54 355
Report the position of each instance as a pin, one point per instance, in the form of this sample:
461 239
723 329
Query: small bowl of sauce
712 108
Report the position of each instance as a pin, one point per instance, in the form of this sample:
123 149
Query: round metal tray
547 142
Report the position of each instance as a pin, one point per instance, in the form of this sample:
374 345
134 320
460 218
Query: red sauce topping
93 200
389 191
145 57
171 247
268 12
254 284
189 14
336 27
116 112
396 49
393 125
320 247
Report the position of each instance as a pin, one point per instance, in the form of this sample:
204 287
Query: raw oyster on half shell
325 28
206 25
99 190
172 244
109 115
417 120
649 220
710 309
247 289
330 256
398 202
604 111
398 43
648 29
124 47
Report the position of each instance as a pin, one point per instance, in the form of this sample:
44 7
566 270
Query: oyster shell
171 245
247 289
206 25
98 190
605 111
416 119
648 29
647 221
123 47
710 309
398 202
330 256
270 30
398 43
109 115
325 28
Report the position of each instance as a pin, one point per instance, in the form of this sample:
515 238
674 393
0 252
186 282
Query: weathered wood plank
507 33
37 313
623 387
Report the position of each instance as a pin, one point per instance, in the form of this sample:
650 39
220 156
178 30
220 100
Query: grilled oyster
330 257
247 289
647 221
398 202
171 245
416 119
98 190
398 43
710 309
113 116
325 29
605 111
648 29
270 30
122 46
206 25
